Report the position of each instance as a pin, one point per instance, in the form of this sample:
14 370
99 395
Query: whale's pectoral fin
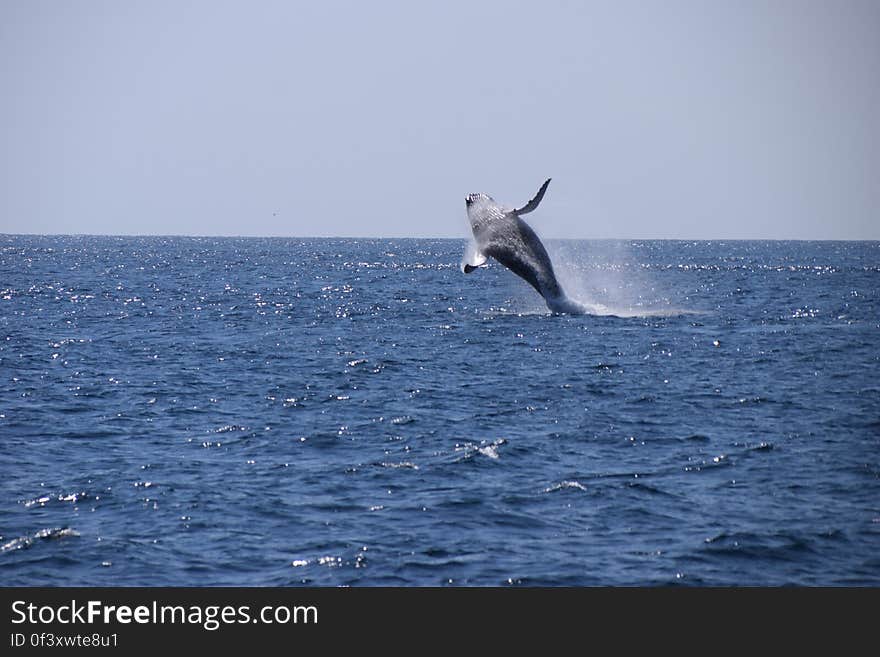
473 259
531 205
476 261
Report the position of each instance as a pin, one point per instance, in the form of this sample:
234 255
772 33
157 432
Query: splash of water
606 282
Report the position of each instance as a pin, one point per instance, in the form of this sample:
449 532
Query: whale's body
500 233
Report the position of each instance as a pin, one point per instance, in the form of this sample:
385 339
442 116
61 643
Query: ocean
284 412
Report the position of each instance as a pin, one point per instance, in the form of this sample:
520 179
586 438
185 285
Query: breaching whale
501 233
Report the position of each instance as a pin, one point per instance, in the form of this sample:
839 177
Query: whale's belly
516 246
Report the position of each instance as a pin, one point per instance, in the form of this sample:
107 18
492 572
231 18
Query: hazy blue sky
656 119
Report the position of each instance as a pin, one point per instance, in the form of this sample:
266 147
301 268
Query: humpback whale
500 233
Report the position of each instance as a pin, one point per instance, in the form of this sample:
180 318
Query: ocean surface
225 411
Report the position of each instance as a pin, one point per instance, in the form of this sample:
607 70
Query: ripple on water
565 485
771 545
71 498
49 533
467 451
401 464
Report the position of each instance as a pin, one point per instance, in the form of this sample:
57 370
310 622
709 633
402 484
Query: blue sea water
224 411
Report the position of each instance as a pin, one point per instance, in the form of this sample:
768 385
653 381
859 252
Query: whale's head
480 209
479 199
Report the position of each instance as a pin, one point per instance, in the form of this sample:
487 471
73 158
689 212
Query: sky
678 119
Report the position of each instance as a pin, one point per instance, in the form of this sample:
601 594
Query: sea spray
602 277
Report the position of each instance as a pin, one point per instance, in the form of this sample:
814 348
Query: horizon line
437 237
